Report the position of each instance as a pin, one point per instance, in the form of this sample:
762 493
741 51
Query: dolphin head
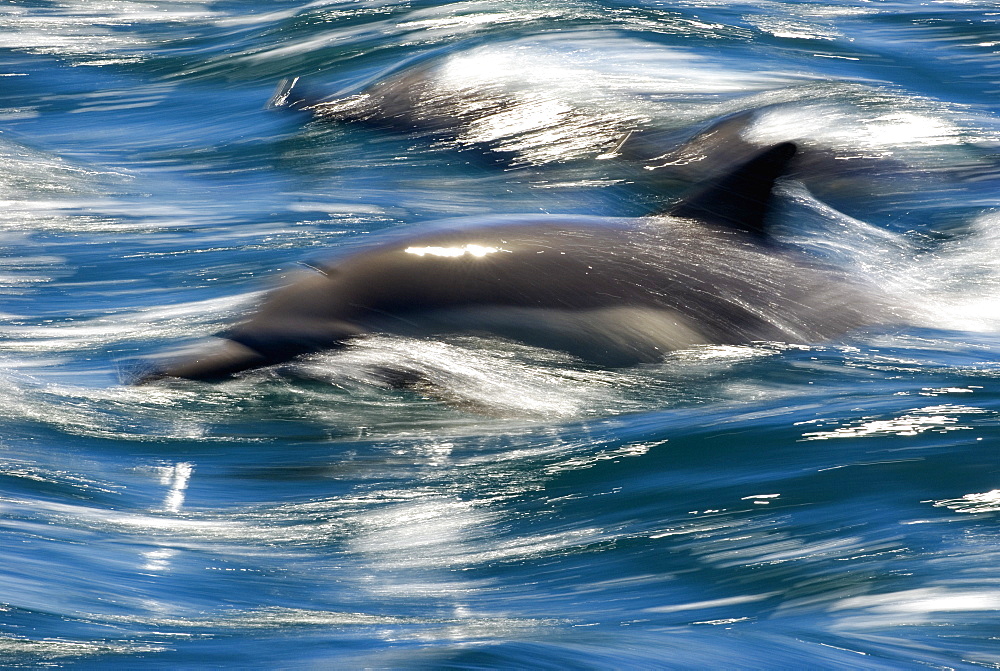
214 363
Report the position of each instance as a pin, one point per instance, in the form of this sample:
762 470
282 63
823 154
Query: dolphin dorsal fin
740 199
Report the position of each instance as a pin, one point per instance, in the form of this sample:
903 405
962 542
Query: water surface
773 505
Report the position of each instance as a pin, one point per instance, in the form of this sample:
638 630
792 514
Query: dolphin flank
614 292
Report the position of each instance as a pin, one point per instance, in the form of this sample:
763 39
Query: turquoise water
772 505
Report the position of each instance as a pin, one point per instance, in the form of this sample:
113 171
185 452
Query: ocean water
763 506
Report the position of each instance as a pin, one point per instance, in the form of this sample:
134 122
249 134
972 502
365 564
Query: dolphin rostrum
613 292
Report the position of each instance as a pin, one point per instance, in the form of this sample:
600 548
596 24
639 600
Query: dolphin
611 291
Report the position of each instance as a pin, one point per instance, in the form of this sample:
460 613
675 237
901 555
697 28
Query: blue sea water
766 506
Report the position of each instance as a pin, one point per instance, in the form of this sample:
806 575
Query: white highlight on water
176 476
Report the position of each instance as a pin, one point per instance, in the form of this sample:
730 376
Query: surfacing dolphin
614 292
